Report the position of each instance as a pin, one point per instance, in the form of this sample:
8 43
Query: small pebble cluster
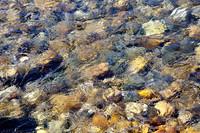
100 66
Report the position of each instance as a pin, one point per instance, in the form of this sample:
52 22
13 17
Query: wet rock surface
100 66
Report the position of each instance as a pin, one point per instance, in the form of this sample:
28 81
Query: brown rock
112 95
150 42
100 70
62 103
174 88
100 120
165 108
158 120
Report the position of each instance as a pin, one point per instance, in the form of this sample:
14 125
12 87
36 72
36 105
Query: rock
35 96
196 11
62 103
130 96
56 126
99 71
86 111
184 115
9 93
158 120
165 129
172 90
194 32
165 108
137 64
156 27
100 121
122 4
150 42
179 14
133 108
112 95
135 52
63 27
94 129
189 130
147 93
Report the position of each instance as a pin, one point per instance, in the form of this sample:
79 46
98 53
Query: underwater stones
173 89
63 27
134 52
150 42
196 11
62 103
34 96
146 93
122 4
100 121
112 95
194 31
154 27
99 71
133 108
130 96
165 109
184 115
179 14
137 64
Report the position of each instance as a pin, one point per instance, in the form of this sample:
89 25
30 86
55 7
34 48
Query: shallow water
99 66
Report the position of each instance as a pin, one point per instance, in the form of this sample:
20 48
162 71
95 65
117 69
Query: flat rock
165 108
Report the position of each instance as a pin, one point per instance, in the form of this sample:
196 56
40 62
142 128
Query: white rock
179 14
184 115
133 108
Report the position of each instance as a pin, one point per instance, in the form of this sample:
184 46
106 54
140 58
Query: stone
133 108
194 31
56 126
179 14
184 115
35 96
196 11
158 120
150 42
62 103
100 70
165 108
100 121
173 89
137 64
147 93
154 27
189 130
112 95
135 52
8 93
130 96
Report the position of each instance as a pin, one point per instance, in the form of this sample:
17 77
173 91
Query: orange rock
100 120
189 130
151 42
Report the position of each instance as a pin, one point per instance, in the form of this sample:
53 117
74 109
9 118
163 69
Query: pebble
173 89
154 27
112 95
133 108
165 109
184 115
100 121
147 93
100 70
62 103
137 64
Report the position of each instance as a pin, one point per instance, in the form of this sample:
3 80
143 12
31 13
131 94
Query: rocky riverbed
100 66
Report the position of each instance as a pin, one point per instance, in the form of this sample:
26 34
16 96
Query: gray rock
184 115
130 96
196 11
